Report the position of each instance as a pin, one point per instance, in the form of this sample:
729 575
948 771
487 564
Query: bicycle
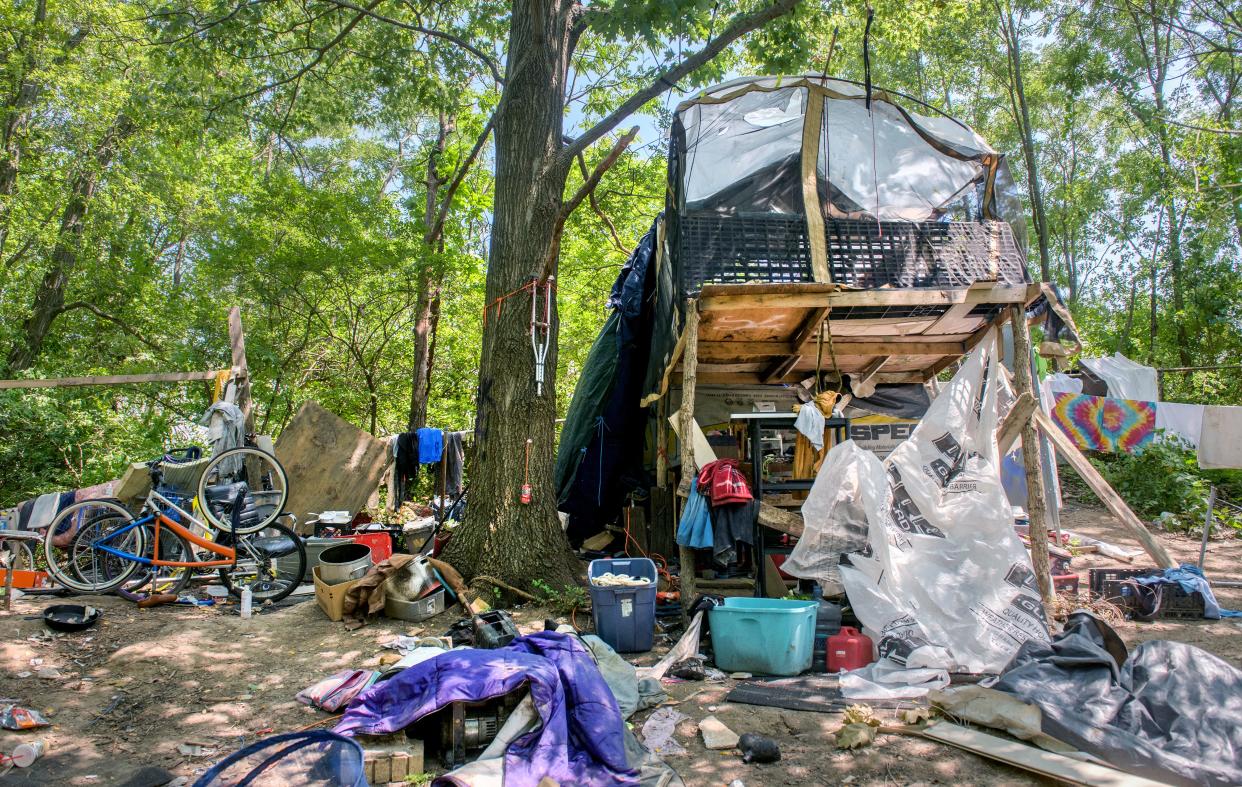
97 546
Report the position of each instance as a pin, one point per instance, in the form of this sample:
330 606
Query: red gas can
848 649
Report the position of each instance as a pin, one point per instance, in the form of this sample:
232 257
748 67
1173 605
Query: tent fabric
600 456
581 739
1167 711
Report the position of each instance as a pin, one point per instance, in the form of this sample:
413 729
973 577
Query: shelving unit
756 423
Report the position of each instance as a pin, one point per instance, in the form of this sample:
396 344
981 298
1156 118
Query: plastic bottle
247 603
827 623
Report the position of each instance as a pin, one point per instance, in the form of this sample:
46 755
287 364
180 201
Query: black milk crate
1174 602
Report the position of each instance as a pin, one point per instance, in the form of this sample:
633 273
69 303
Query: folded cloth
336 691
580 741
1191 580
724 482
430 445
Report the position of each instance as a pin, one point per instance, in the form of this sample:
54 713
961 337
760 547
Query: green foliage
1164 483
563 601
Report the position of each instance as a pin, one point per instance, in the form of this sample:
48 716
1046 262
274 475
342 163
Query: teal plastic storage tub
769 636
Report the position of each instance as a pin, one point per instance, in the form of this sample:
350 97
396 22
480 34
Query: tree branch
437 230
586 188
612 230
112 318
740 26
427 31
320 52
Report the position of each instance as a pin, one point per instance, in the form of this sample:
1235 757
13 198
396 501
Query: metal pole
1207 524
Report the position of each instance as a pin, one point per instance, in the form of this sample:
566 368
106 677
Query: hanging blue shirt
430 445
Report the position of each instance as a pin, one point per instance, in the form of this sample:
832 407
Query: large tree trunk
50 296
427 307
502 537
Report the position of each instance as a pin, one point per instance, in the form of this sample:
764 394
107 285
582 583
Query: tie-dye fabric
1101 423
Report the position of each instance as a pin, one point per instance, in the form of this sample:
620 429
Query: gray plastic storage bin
624 616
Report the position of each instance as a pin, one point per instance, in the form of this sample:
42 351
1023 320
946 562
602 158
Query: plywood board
332 465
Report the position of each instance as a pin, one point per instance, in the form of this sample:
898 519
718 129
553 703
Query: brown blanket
366 597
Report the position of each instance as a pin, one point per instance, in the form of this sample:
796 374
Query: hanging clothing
1220 444
454 462
1125 378
731 523
1182 420
810 422
226 425
1101 423
724 482
406 467
430 445
695 528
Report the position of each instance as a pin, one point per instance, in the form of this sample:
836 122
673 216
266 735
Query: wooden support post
1108 496
237 341
662 443
1019 418
11 546
689 365
1036 512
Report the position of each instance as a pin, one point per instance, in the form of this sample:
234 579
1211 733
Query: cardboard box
331 598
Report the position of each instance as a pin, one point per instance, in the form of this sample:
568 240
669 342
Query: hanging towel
1220 444
810 422
454 460
1126 379
724 482
1101 423
405 469
430 445
1183 420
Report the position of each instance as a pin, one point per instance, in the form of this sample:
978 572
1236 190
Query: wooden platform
766 333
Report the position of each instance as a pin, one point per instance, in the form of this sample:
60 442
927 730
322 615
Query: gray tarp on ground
1169 711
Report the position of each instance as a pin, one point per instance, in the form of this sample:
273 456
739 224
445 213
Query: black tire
78 566
270 579
266 489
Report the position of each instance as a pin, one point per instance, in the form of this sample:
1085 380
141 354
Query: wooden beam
689 364
237 343
1022 755
1036 509
859 381
758 378
110 379
740 296
1019 416
787 522
956 319
1108 496
737 350
780 369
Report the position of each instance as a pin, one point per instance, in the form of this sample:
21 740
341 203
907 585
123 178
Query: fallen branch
510 588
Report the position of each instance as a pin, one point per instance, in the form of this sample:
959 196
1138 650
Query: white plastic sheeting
1126 379
937 571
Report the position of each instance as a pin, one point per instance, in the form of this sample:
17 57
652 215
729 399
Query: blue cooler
624 616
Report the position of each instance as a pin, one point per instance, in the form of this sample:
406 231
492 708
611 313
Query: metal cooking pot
344 562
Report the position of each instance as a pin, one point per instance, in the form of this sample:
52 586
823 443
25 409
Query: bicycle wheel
22 558
270 562
70 546
243 490
161 579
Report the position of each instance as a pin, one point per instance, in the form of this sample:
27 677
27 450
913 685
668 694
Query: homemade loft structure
813 229
800 204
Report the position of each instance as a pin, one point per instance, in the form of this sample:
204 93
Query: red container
380 543
848 649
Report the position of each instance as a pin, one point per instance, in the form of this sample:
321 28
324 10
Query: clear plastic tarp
744 143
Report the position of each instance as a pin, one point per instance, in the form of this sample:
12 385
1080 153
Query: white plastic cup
25 755
247 603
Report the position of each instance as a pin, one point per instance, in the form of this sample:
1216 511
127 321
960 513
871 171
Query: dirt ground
181 687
